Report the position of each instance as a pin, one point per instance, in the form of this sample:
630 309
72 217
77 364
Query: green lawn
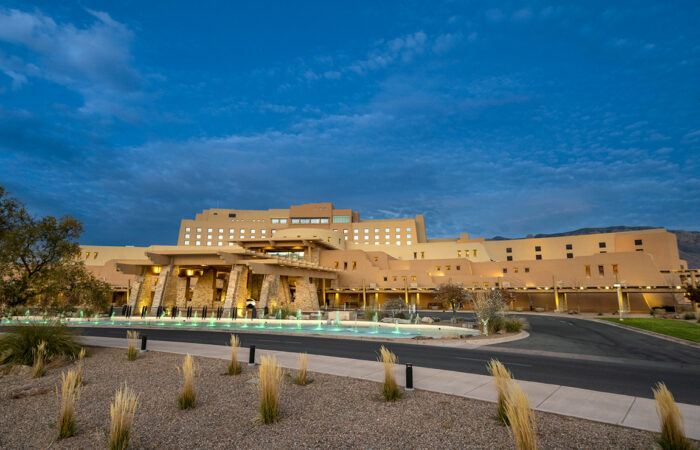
670 327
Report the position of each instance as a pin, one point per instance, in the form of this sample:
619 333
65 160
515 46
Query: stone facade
306 295
160 286
146 291
203 293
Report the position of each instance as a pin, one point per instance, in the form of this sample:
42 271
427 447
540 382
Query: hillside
688 241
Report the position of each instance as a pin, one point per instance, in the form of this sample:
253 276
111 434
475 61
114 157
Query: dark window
345 265
509 258
232 214
637 242
601 270
538 248
509 250
538 256
386 278
415 255
569 255
459 267
505 270
527 270
640 249
569 247
602 245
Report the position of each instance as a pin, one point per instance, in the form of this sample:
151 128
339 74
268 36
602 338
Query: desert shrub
132 339
188 397
122 411
672 436
234 367
269 384
502 379
68 394
390 389
689 316
393 305
521 418
496 324
512 324
19 344
301 377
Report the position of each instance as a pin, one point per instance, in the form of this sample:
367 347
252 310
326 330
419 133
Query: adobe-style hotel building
313 255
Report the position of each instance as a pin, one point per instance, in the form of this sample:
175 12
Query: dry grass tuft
234 367
79 367
390 389
68 394
39 366
269 386
301 377
672 435
521 418
188 397
122 411
502 379
132 338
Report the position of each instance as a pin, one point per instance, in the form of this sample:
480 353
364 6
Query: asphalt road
604 370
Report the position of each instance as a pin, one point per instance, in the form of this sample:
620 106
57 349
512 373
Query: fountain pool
335 327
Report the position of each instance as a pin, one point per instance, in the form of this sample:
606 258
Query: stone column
232 288
135 291
181 296
306 296
269 289
160 286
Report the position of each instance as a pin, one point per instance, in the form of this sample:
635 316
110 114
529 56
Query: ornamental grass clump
301 377
18 345
68 395
39 366
269 386
79 366
390 389
188 397
521 418
234 367
502 378
122 411
672 436
132 339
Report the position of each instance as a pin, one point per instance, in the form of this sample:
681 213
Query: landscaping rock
427 320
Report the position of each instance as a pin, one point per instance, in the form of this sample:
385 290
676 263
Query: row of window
376 230
307 220
601 270
376 241
515 270
448 267
538 248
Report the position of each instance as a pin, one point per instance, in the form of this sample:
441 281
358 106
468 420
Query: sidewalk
624 410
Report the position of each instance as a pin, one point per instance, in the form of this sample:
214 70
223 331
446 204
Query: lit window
221 237
221 230
187 242
283 220
408 236
356 231
230 244
376 243
398 230
345 231
408 229
187 229
198 243
209 236
376 238
274 232
209 243
199 230
346 238
242 231
220 244
231 231
275 221
386 230
376 230
387 243
324 220
366 237
252 231
459 253
354 238
366 230
398 242
208 230
386 236
199 236
409 242
187 236
398 236
263 231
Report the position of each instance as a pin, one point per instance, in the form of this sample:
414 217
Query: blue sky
493 118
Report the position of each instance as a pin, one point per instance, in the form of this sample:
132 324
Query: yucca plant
79 366
132 339
39 366
672 436
390 389
234 367
520 418
502 379
188 397
18 345
122 411
269 384
301 377
68 394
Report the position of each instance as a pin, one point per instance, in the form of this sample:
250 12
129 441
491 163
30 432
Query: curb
649 333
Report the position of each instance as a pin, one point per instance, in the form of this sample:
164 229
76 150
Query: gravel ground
331 412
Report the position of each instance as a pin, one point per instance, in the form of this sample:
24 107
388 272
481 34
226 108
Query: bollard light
144 340
251 356
409 377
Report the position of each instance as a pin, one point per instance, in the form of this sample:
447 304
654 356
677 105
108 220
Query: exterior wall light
156 269
189 272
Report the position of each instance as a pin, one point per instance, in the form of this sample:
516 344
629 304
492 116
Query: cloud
94 61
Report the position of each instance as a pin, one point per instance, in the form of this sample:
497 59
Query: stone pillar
135 291
232 288
306 296
283 294
181 296
268 290
160 286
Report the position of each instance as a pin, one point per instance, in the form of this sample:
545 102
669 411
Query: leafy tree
487 305
454 295
393 305
39 259
692 293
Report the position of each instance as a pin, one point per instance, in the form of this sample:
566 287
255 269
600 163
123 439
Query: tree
454 295
393 305
70 286
487 305
36 253
692 293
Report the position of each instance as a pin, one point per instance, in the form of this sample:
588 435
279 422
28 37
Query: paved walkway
628 411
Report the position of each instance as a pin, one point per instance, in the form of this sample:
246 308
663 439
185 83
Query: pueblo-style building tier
313 256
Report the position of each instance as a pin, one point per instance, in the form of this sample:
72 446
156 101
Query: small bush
521 418
301 376
390 389
512 324
132 339
496 324
188 396
39 366
234 367
68 394
502 379
672 435
19 344
269 383
689 316
122 411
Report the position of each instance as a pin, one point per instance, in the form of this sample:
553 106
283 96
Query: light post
620 302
